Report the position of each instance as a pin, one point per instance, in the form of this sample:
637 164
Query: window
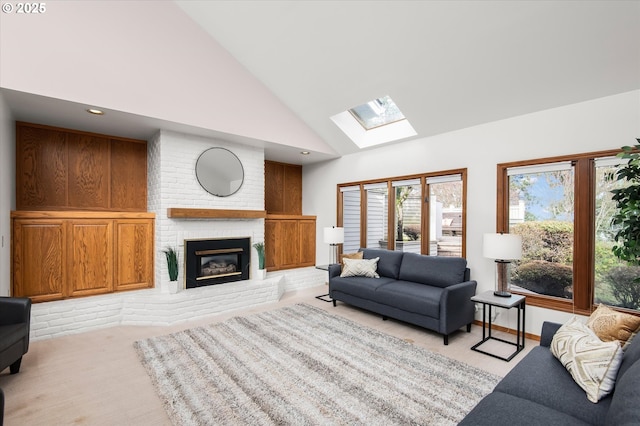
562 208
614 279
377 112
351 218
541 203
396 214
407 197
373 123
377 196
446 212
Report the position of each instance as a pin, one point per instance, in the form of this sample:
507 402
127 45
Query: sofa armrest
456 307
334 270
15 310
548 330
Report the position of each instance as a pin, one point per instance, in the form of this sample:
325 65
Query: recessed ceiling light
95 111
305 152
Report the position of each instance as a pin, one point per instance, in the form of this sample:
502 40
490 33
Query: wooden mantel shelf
184 213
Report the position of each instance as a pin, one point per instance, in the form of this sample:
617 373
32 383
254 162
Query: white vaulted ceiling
448 65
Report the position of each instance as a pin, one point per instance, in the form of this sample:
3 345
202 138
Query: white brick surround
172 182
150 307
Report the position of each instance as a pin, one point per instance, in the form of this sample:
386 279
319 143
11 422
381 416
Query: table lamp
503 248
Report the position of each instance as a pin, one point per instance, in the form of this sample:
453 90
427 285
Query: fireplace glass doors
216 261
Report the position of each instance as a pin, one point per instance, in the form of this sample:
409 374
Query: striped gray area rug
300 365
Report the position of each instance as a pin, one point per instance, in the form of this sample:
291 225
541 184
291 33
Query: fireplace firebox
216 261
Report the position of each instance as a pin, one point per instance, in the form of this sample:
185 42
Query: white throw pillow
360 268
592 363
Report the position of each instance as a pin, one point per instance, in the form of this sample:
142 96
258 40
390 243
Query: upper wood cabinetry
62 169
282 188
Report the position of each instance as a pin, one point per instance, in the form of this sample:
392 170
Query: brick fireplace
172 183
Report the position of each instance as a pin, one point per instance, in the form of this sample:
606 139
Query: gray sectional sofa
540 391
428 291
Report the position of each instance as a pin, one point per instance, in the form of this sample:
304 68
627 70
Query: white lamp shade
502 246
333 235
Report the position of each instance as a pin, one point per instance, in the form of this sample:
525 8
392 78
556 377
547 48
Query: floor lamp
332 236
503 248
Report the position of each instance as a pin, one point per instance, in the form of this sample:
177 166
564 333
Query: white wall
146 58
606 123
7 192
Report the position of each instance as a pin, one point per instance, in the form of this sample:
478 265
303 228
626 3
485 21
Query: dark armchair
15 320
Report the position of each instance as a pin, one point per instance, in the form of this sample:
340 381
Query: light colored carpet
302 365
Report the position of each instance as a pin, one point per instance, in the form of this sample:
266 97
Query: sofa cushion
356 255
610 325
358 286
503 409
360 268
389 263
624 409
631 356
411 297
592 363
541 378
432 270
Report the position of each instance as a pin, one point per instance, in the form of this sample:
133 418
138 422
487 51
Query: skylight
377 112
376 122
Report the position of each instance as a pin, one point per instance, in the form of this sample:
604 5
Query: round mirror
219 172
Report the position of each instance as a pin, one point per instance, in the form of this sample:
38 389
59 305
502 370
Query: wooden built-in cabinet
290 241
283 188
290 237
59 255
62 169
81 226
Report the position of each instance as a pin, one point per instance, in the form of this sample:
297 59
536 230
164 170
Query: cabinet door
273 187
90 257
38 259
128 176
292 189
271 255
307 239
288 246
281 244
88 184
133 254
41 168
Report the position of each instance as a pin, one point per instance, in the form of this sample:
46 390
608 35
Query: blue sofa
428 291
540 391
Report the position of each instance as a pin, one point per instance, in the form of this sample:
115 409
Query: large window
351 218
377 196
446 215
613 279
418 214
562 208
541 203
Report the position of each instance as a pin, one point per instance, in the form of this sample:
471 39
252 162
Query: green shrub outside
551 279
550 240
623 286
547 256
